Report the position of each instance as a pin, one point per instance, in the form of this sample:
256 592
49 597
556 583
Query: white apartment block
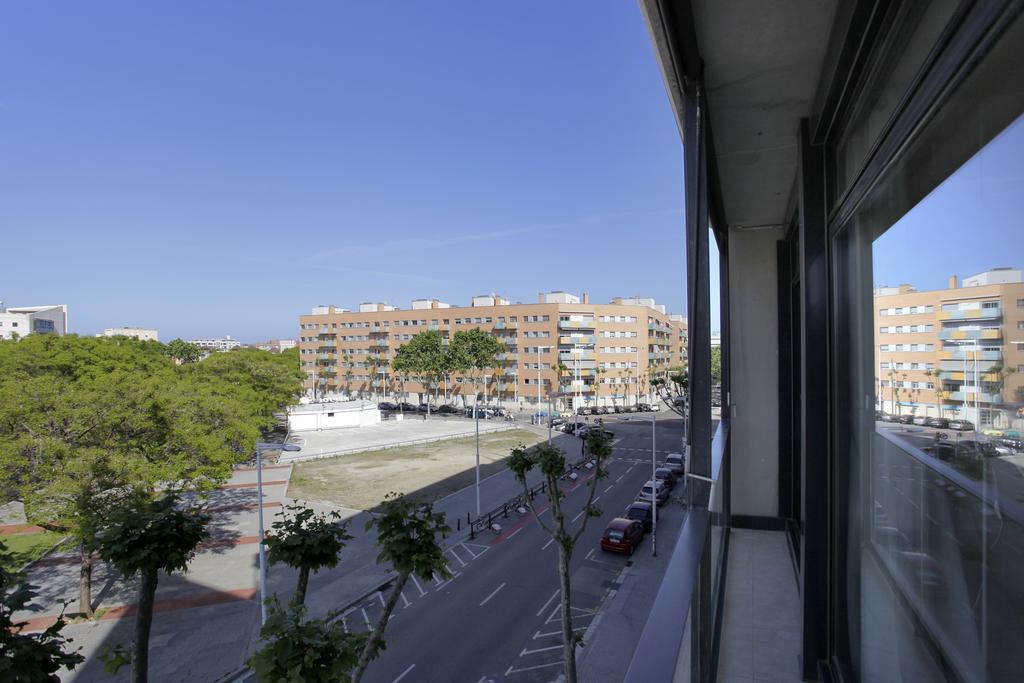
25 320
225 344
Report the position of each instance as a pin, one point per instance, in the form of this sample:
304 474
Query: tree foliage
674 389
28 657
86 422
474 351
146 537
407 535
307 541
550 461
182 352
297 650
424 357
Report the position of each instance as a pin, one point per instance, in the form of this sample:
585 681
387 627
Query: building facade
25 320
141 333
225 344
954 352
599 354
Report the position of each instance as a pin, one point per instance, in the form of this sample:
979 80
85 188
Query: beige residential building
141 333
598 354
954 352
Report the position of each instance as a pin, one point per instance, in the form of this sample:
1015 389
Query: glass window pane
929 403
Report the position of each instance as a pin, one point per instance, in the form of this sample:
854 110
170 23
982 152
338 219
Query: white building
27 320
225 344
141 333
276 345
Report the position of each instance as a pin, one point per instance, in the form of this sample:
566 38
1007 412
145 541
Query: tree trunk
143 622
300 589
568 640
85 581
378 631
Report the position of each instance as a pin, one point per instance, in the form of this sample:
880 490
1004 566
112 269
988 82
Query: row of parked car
446 409
922 421
624 534
612 410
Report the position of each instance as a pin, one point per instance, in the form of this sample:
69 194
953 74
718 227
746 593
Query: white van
654 491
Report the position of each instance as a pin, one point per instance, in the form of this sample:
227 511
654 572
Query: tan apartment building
954 352
598 354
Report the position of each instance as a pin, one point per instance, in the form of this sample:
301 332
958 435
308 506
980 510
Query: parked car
557 422
676 462
1015 445
622 536
386 406
448 410
961 425
920 420
645 407
641 512
619 409
406 407
654 491
883 416
666 475
938 422
423 408
482 412
905 419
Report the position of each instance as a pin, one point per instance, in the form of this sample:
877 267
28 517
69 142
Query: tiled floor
761 627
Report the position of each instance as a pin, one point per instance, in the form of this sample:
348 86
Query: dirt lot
431 471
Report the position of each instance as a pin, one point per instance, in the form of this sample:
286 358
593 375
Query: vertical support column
815 422
698 281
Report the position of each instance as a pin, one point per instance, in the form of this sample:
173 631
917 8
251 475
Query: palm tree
598 371
347 358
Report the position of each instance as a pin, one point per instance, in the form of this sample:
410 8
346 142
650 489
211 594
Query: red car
622 536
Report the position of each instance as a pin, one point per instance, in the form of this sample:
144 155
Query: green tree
28 657
306 541
473 353
716 364
673 389
407 535
550 461
297 650
146 538
183 352
421 357
86 422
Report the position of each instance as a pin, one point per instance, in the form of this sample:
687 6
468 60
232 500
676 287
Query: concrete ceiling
762 62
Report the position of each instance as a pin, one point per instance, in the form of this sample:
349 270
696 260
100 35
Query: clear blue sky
211 168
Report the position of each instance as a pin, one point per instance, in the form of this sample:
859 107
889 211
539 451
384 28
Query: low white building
141 333
333 415
276 345
26 320
225 344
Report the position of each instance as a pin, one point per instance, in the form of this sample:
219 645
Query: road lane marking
513 533
589 554
402 675
553 596
512 669
577 516
380 596
550 541
404 599
539 649
609 488
366 618
595 500
538 634
620 478
418 586
456 556
493 593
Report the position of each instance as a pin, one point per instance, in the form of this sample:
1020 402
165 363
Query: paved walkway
207 623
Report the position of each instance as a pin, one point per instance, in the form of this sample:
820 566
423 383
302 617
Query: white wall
316 417
753 319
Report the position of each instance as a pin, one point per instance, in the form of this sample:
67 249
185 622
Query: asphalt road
498 618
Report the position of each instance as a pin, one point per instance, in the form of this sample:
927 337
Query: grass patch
428 471
24 548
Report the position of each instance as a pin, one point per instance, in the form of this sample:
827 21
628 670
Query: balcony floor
761 626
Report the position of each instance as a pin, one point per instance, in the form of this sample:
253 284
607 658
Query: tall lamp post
654 486
260 447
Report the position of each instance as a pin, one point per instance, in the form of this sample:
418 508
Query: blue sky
218 168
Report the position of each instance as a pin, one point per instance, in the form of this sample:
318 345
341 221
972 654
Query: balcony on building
972 313
987 334
572 356
577 323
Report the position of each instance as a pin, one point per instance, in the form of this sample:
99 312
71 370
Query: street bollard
488 520
468 522
504 509
458 524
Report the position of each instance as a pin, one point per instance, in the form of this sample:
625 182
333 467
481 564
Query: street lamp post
260 447
654 486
